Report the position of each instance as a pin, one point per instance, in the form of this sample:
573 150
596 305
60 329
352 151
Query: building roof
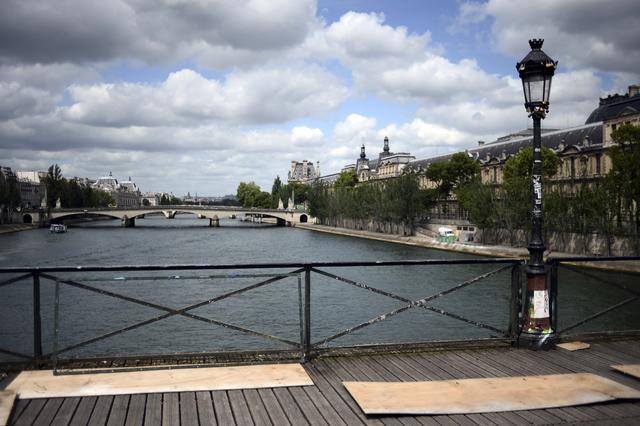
613 106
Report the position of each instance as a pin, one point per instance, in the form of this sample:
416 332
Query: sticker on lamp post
540 304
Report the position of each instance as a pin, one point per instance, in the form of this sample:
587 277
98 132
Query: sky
199 95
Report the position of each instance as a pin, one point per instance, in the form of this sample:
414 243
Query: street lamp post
536 71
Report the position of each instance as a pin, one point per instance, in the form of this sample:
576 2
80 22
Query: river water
271 309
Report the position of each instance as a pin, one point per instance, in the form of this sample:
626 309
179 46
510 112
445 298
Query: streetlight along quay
536 71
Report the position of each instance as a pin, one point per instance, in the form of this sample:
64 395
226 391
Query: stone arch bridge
128 215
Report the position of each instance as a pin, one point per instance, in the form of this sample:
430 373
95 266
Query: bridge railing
590 302
318 307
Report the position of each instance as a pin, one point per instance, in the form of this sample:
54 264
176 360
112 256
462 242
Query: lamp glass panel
535 88
547 89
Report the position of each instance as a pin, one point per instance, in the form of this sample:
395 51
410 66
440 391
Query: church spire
386 145
362 154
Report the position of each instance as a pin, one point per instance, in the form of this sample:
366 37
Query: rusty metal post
307 313
37 319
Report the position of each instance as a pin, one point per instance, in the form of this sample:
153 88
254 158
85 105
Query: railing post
307 313
553 303
515 313
37 320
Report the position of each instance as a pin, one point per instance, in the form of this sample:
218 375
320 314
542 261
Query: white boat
57 228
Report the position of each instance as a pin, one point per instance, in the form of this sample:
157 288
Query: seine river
271 309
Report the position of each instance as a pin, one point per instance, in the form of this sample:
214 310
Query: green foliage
448 177
275 192
346 179
9 194
71 193
250 195
625 171
480 202
520 166
397 200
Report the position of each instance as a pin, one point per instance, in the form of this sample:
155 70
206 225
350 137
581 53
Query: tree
275 192
514 208
9 193
479 201
53 183
452 175
625 171
346 179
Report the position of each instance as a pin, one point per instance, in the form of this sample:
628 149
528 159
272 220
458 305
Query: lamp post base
537 332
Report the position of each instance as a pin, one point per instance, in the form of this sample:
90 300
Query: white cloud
580 33
82 31
256 96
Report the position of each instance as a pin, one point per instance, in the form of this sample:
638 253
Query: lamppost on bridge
536 71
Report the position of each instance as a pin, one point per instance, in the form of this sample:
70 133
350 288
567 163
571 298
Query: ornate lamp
536 71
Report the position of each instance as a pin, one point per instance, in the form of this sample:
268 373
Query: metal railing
267 274
587 269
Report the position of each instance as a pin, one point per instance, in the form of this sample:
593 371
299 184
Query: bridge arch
303 218
27 218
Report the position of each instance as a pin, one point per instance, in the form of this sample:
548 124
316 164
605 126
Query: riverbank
12 227
470 248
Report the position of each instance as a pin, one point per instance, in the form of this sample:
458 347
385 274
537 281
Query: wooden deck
328 403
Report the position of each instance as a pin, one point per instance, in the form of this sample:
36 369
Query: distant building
32 187
125 193
303 172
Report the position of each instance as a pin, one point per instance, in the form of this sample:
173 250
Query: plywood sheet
6 404
630 369
43 384
574 346
486 395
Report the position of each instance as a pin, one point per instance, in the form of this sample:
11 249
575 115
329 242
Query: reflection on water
271 309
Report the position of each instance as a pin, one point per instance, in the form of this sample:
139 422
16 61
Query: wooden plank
563 361
320 402
505 418
239 407
629 369
345 367
18 407
307 407
573 346
137 407
101 410
118 413
83 411
188 409
259 413
524 362
289 406
393 374
206 414
277 416
170 409
44 384
325 388
66 412
7 399
30 413
482 395
153 409
224 415
48 412
529 416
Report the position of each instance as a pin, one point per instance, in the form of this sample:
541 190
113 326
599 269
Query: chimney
480 143
634 90
317 169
